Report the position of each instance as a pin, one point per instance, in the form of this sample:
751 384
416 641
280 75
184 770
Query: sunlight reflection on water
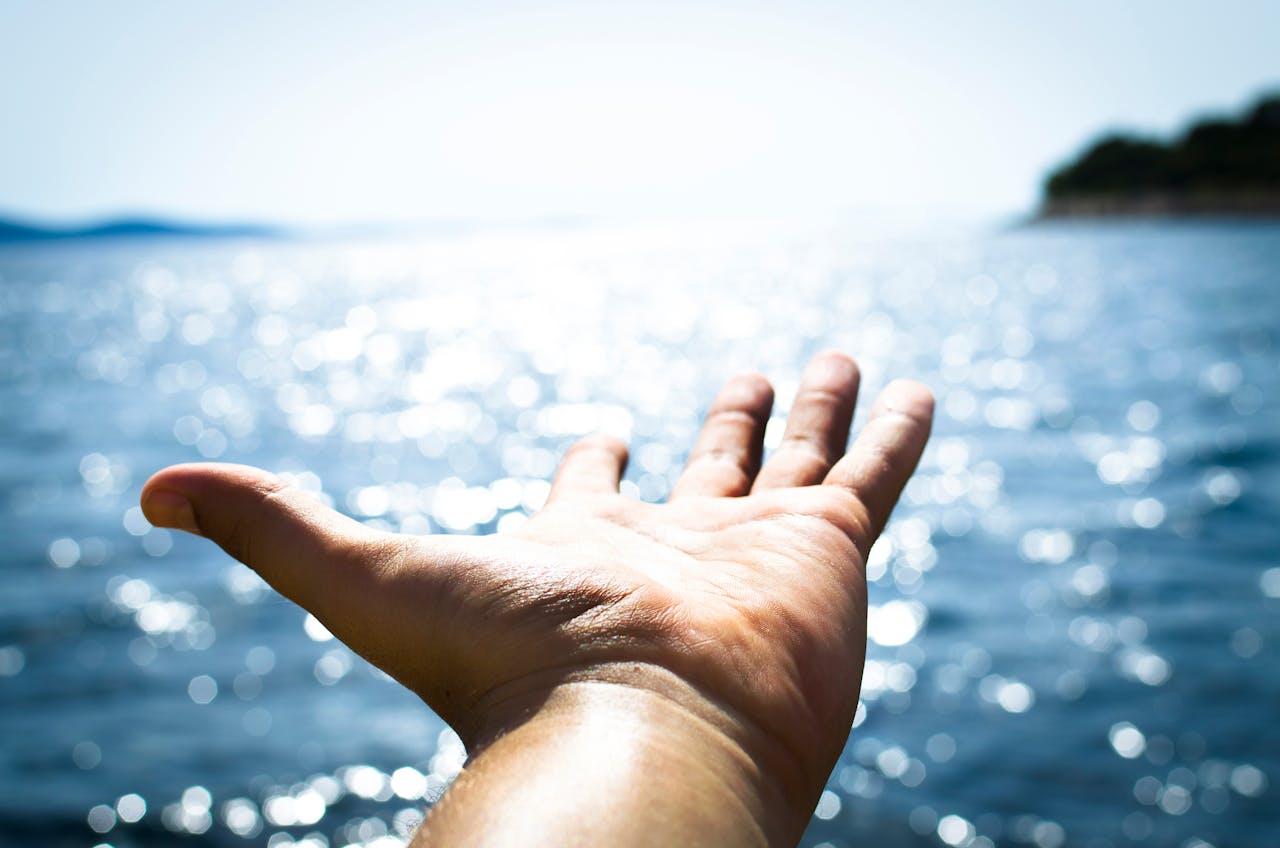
1072 612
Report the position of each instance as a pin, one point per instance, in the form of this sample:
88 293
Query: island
12 230
1216 167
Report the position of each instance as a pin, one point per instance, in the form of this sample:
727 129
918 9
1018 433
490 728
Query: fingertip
170 510
170 496
191 477
834 354
906 397
749 390
831 371
164 476
603 442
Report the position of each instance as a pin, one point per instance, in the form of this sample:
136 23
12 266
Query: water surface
1074 631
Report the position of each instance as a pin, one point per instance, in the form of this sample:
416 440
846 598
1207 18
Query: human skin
621 672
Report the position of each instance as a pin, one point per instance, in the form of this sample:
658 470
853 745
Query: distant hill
1216 167
19 231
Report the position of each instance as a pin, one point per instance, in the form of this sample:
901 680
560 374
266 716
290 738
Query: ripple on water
1084 543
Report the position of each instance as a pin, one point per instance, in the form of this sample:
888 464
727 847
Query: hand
734 614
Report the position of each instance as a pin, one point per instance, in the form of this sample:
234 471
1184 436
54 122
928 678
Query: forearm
620 764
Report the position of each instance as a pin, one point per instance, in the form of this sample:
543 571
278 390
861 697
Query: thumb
310 553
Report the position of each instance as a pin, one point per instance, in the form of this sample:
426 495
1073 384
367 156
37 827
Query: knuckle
807 443
909 419
722 456
731 417
820 396
383 556
853 516
236 538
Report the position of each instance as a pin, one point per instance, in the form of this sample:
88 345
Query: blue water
1075 637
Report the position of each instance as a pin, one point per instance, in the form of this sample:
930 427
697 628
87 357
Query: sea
1074 637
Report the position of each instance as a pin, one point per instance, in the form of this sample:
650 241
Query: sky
318 113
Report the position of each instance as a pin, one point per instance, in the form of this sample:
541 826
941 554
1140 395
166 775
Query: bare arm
622 673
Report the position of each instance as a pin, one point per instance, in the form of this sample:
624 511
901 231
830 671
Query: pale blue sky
317 112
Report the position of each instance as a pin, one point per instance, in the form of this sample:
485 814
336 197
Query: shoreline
1202 204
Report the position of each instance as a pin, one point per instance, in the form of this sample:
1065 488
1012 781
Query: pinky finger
886 452
593 465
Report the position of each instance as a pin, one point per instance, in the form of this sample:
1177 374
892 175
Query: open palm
747 587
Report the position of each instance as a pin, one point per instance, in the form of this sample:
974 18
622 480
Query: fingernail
169 509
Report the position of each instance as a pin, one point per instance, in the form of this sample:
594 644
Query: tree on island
1217 166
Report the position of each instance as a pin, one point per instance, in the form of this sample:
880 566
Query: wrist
605 721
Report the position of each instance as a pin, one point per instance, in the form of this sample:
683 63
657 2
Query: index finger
886 452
